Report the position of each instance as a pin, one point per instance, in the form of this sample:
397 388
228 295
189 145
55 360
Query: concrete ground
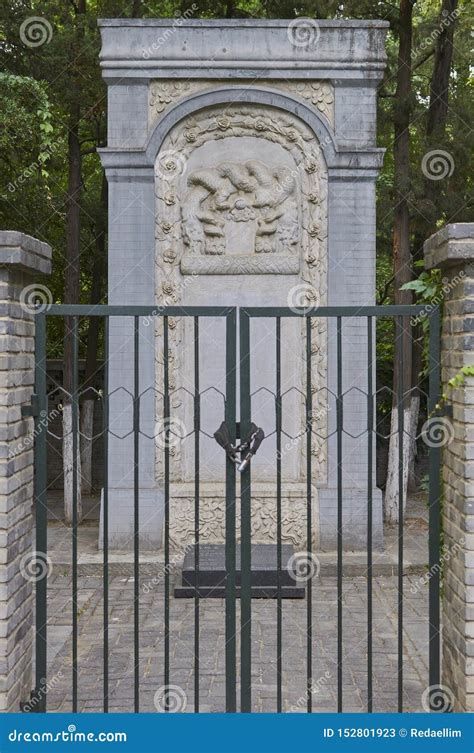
264 630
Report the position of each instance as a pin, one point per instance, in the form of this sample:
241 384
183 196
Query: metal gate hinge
31 409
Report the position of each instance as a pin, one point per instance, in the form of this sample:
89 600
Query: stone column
20 257
452 250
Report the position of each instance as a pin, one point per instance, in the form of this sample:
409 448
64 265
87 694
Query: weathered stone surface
222 96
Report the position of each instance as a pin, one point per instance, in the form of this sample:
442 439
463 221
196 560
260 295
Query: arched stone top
342 163
243 95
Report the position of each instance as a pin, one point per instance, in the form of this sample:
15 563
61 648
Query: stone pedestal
452 250
242 163
21 257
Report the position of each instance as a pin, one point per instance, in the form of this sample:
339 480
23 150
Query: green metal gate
238 664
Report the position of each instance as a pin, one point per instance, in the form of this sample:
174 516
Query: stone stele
241 163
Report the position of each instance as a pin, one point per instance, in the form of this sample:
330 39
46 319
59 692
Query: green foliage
41 85
459 379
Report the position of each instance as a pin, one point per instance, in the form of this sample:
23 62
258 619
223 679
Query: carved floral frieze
167 92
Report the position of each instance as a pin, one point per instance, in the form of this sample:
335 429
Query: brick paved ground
212 677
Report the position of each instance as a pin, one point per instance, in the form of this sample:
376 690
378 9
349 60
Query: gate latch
246 449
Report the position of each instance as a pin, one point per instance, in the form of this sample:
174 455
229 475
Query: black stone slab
211 578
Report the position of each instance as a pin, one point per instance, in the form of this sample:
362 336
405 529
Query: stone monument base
210 580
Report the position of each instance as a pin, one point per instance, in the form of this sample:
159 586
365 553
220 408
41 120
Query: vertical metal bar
339 422
400 340
434 505
75 416
136 513
246 521
40 484
105 429
370 481
278 420
230 544
166 424
197 429
309 517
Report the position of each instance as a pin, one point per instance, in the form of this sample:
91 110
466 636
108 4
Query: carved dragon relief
223 194
233 193
264 521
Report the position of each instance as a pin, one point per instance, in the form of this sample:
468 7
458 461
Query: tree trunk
435 134
439 87
401 259
72 280
89 395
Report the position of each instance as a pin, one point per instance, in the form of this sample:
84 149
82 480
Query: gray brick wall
452 249
20 256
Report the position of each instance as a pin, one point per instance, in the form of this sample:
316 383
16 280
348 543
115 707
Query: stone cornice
24 252
452 245
241 49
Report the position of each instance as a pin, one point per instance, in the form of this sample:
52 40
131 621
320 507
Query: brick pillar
452 250
21 259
